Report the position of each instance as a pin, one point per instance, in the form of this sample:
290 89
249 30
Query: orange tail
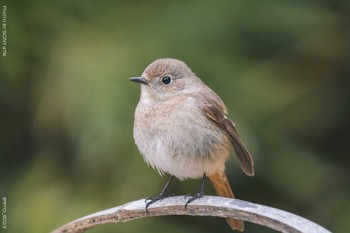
223 189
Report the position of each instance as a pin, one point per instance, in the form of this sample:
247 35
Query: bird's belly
180 139
183 150
185 166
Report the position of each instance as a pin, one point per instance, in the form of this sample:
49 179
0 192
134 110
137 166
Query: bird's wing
218 116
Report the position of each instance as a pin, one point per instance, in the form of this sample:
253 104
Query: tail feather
223 189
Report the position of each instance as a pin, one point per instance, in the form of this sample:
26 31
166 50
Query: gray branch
276 219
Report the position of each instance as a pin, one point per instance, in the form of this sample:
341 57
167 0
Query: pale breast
179 139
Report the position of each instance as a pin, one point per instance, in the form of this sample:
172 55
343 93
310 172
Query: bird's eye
166 80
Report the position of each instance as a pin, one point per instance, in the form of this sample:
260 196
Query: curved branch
207 206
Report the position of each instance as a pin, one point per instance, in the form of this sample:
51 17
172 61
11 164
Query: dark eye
166 80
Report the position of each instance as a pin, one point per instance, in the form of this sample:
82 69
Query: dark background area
66 105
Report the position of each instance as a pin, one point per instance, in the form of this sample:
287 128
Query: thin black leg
197 195
163 194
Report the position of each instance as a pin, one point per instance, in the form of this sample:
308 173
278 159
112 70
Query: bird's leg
197 195
163 194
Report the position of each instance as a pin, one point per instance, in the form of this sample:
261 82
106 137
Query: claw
150 201
163 194
194 197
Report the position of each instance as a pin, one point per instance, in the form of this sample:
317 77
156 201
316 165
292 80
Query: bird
182 128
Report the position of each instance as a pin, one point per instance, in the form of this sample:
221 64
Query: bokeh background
66 105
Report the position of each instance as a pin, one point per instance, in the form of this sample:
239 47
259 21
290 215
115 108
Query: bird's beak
139 80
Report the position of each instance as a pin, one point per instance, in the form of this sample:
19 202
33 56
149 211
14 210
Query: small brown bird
182 128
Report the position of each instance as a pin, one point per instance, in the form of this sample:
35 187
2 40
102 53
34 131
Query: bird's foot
163 194
193 197
149 201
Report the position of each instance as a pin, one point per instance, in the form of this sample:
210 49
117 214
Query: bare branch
207 206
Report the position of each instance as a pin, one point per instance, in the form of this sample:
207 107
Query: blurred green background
282 68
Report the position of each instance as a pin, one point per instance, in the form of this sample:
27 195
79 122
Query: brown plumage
223 189
182 128
244 158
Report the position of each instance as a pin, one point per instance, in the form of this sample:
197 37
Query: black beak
139 80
